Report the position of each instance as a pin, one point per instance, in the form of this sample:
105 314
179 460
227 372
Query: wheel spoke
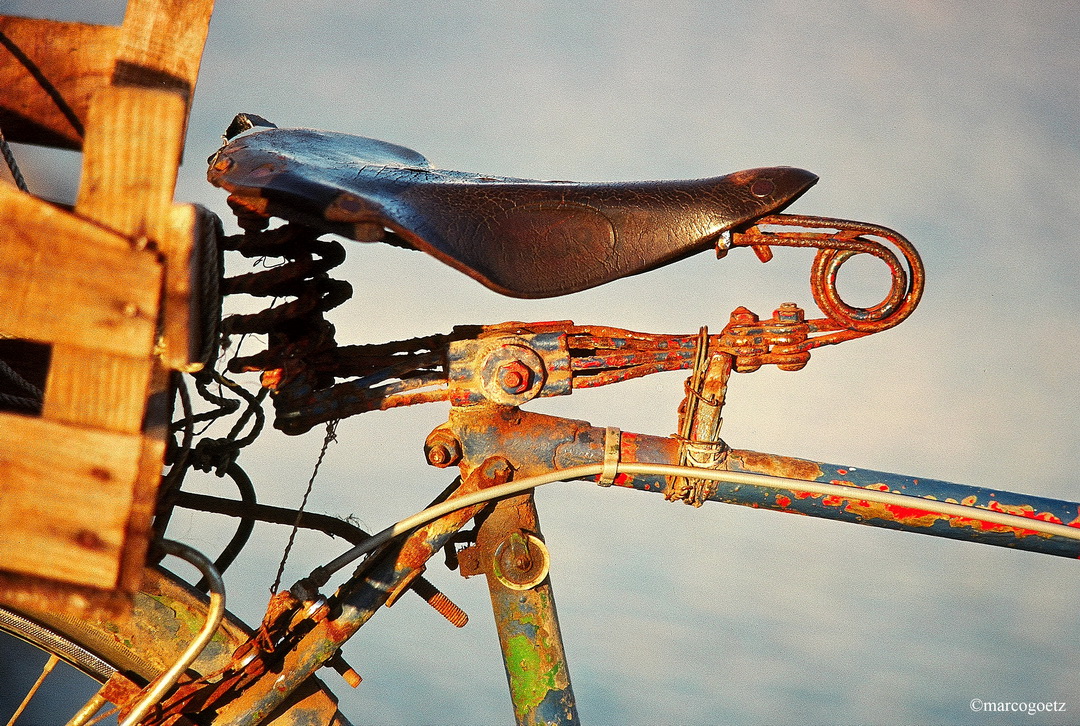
45 671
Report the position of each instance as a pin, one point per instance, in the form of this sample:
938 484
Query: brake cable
320 575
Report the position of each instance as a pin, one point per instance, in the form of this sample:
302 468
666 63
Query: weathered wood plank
191 301
99 444
147 480
99 389
130 158
33 593
162 42
65 494
49 70
64 279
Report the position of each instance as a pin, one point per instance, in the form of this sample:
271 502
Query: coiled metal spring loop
296 328
837 241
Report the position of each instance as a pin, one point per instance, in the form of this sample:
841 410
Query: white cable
451 505
732 477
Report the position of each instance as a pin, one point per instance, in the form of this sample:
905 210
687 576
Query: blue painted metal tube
636 447
356 601
525 616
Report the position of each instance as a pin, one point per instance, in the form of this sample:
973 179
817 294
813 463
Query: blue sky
954 123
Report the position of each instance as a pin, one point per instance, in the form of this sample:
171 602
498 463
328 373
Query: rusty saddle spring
302 363
302 360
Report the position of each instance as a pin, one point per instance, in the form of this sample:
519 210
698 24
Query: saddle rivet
762 187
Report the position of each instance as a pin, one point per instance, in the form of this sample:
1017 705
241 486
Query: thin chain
331 436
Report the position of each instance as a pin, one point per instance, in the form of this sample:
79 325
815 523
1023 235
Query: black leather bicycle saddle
520 237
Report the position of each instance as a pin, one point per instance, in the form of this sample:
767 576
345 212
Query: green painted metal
525 616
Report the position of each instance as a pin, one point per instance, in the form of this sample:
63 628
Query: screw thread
445 606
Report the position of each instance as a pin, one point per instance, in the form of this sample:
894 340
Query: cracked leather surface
520 237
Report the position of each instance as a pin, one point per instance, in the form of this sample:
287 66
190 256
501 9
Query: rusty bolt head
514 377
743 315
789 313
521 561
497 470
442 449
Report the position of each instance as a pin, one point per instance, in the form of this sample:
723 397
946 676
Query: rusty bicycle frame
501 451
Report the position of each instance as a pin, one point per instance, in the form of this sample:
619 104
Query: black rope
13 375
46 85
13 165
29 404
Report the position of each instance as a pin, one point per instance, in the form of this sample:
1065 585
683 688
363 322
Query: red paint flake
912 513
783 501
991 527
805 495
842 472
995 506
879 487
1044 516
832 501
622 480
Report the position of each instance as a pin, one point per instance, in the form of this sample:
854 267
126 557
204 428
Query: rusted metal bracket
699 422
836 242
509 368
249 690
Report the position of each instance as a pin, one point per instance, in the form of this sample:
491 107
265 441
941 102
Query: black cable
243 529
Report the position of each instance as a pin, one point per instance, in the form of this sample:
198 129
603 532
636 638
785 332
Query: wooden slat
191 287
99 389
180 306
64 516
27 592
96 452
49 70
130 158
161 44
148 478
63 279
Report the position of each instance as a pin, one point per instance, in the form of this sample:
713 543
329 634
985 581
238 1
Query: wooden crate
107 286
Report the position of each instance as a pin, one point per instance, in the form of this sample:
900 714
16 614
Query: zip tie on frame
587 471
612 455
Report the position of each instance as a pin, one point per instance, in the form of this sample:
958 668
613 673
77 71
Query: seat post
514 558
